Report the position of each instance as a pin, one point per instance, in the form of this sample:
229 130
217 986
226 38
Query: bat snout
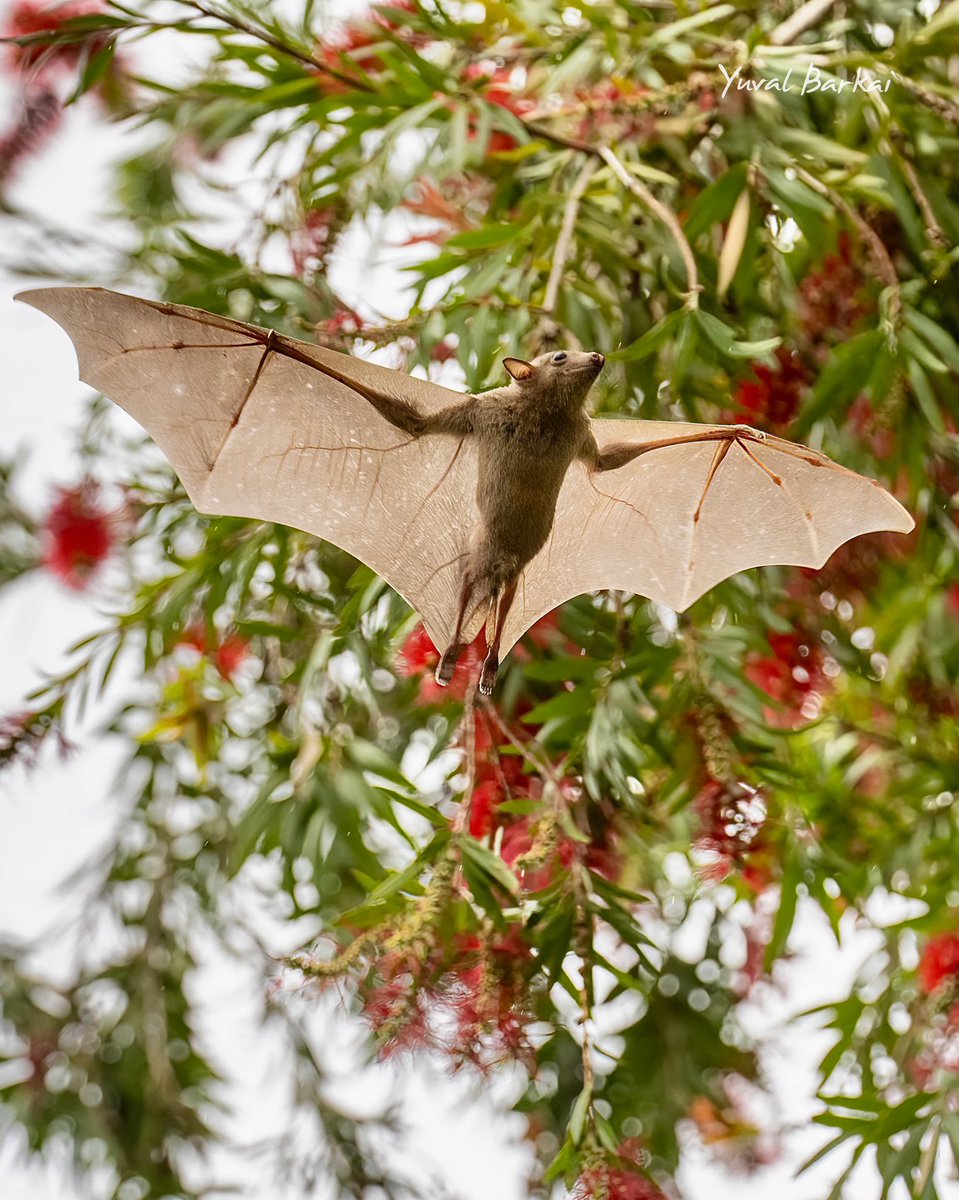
598 360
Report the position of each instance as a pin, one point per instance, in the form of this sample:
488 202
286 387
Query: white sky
54 818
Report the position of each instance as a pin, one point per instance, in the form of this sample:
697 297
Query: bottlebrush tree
740 248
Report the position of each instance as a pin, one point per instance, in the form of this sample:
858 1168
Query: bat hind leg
446 667
503 601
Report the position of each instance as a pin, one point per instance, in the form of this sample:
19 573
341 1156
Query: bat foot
758 434
488 676
446 667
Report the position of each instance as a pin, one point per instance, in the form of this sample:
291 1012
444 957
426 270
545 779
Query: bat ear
519 369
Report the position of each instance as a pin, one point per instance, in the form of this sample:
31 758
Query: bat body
510 501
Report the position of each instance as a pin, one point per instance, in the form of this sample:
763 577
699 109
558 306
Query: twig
469 728
666 215
939 104
565 240
805 17
934 230
275 43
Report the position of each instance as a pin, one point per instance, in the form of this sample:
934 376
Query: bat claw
488 676
758 434
446 667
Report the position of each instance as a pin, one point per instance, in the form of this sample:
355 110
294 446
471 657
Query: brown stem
666 215
805 17
564 242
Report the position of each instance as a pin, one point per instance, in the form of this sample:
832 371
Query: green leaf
577 1118
724 338
654 337
489 862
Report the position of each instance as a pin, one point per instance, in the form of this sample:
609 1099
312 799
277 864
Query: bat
480 509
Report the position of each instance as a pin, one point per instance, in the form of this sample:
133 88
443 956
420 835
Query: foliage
578 173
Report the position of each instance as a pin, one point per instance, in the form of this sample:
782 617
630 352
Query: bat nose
598 359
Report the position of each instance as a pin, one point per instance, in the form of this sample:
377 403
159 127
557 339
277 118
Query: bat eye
559 356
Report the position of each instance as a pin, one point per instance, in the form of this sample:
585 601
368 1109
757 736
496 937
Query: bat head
565 375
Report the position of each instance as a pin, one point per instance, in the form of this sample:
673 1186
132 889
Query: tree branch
564 242
666 215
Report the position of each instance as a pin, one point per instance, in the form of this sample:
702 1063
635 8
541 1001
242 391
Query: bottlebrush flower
615 1183
793 674
940 962
227 654
772 399
832 300
420 657
79 535
464 1000
357 41
29 18
531 846
497 85
731 816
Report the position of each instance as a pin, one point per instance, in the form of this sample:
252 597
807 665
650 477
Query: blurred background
192 1056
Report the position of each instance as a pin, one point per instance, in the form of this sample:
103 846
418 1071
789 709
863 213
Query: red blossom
355 44
420 657
226 653
313 240
832 299
731 817
772 399
614 1183
940 961
522 841
486 799
79 534
443 352
952 599
29 18
880 439
793 675
464 1000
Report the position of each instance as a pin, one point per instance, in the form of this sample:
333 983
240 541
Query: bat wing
679 519
263 426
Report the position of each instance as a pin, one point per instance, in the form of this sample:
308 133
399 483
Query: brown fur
528 433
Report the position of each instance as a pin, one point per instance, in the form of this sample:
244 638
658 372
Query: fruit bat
491 508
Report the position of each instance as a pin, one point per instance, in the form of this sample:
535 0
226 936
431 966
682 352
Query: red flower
952 599
732 817
420 657
773 398
615 1183
793 675
226 654
520 840
497 88
29 18
486 799
940 961
832 300
79 535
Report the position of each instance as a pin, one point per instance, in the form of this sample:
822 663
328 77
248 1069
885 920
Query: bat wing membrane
263 426
636 528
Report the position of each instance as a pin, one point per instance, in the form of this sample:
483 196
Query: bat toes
758 435
488 675
446 667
